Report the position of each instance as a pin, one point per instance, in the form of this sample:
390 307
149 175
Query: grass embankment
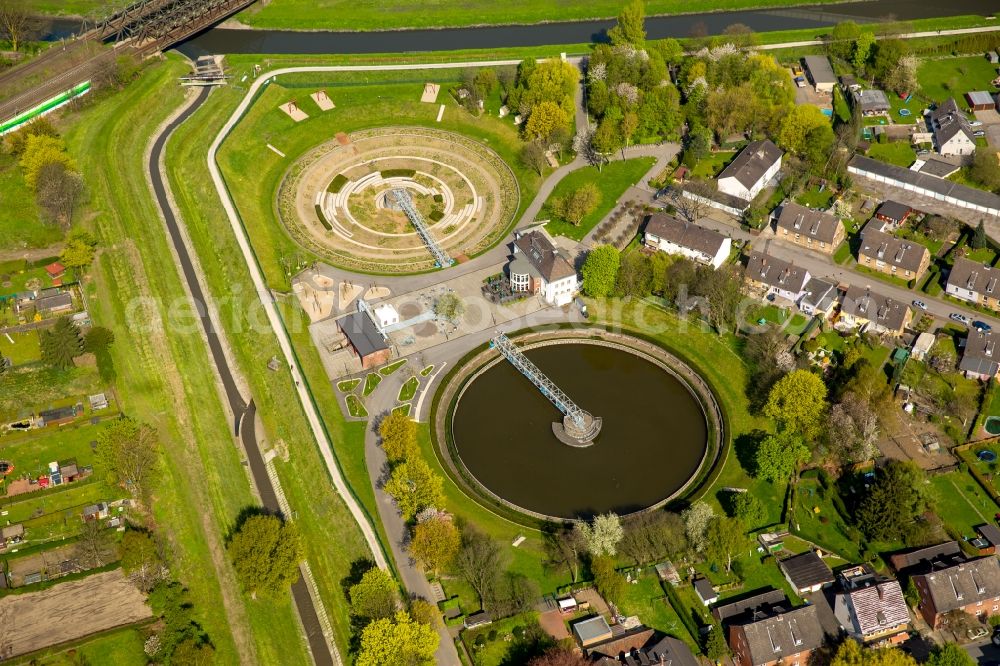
612 181
371 14
363 100
331 537
69 7
164 372
19 222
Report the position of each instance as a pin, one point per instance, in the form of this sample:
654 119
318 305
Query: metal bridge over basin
579 427
405 203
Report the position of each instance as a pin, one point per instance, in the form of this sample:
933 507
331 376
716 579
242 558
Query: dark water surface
653 438
225 40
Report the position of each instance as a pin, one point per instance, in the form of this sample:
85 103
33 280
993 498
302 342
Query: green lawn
371 14
408 389
961 502
843 253
914 106
32 452
348 385
774 315
814 198
90 8
122 647
942 78
710 165
355 407
612 181
499 651
988 470
372 380
647 599
825 527
899 153
24 348
19 222
392 367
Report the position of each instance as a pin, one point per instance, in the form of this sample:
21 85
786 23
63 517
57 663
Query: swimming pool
827 112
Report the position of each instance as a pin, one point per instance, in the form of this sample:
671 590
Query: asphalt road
244 414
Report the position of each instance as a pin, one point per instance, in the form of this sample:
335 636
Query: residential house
980 202
981 357
775 276
922 345
974 282
365 339
768 602
703 588
819 299
893 213
871 102
54 303
972 586
751 170
820 73
592 631
806 572
862 307
786 638
922 560
953 134
537 267
643 647
980 100
893 256
809 228
669 234
872 607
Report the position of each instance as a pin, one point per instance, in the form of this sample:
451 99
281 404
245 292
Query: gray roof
752 163
542 254
806 570
864 303
938 168
54 302
820 69
962 584
898 252
362 332
812 223
772 638
878 606
948 120
938 185
521 266
704 589
820 294
685 234
981 355
926 557
980 97
975 276
871 100
990 532
592 628
664 650
893 210
769 602
776 272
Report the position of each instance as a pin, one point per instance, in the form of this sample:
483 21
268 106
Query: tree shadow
248 512
745 447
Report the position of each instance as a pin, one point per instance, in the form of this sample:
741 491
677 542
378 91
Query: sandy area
68 611
348 292
293 111
318 303
376 292
322 100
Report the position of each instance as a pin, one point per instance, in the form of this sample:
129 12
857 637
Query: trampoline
904 112
992 425
987 456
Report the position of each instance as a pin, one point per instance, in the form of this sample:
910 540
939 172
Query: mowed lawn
961 502
377 15
942 78
19 223
612 181
899 153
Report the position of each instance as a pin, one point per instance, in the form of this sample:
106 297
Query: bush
438 198
492 635
398 173
322 218
436 215
337 184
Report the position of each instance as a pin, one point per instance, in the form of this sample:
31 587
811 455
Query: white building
953 134
539 268
385 315
668 234
770 275
751 170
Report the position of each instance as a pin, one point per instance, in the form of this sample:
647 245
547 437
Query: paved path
908 35
324 653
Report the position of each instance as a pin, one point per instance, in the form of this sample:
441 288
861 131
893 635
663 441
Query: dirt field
68 611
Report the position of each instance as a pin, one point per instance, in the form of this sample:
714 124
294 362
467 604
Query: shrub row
398 173
337 184
322 218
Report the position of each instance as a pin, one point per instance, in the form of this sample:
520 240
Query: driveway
984 652
991 123
823 601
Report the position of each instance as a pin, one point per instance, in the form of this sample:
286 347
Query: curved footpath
323 650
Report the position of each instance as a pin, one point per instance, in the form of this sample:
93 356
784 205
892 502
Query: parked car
981 326
976 123
976 632
979 133
920 304
955 316
583 308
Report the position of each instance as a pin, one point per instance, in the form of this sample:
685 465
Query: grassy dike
331 536
165 376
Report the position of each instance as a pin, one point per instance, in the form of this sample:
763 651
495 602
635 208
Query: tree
631 26
608 136
725 538
265 551
533 156
696 521
978 241
374 597
603 534
193 653
723 288
40 151
435 543
653 536
180 635
544 120
480 562
749 509
398 640
739 35
579 203
15 22
715 646
79 250
600 271
609 582
61 344
888 53
778 456
141 560
94 547
564 545
449 306
415 486
862 50
57 192
842 39
635 277
15 142
128 449
559 656
399 437
985 170
895 500
854 430
798 123
950 654
850 653
798 403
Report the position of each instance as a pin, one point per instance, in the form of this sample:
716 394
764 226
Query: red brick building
972 586
787 637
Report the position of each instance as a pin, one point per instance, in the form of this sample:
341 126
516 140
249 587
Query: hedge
337 184
322 218
398 173
436 215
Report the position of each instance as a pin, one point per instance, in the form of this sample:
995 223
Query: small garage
980 100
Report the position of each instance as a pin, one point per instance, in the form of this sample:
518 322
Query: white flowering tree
603 534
